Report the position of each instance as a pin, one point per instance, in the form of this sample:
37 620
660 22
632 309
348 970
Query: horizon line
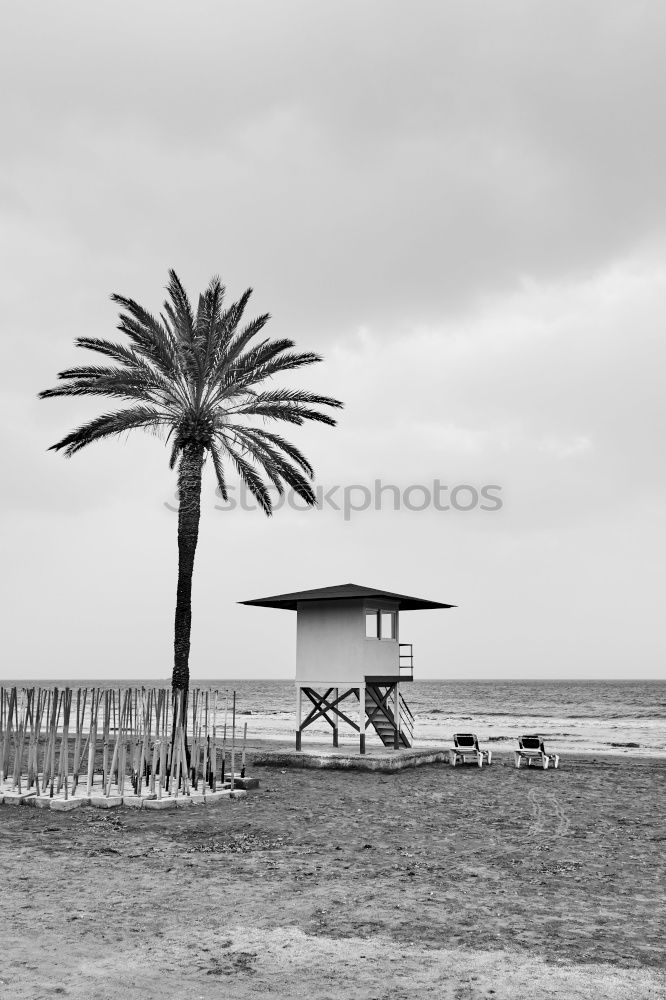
291 680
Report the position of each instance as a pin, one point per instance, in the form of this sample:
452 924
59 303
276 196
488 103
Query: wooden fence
125 741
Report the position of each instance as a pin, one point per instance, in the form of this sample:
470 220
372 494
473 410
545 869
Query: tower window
380 624
387 625
371 625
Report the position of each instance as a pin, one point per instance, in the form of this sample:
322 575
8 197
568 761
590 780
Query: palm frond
251 478
281 363
171 385
289 413
292 405
233 384
140 374
180 308
125 355
226 372
264 352
259 455
294 396
207 324
286 446
152 338
118 383
223 359
298 483
276 466
107 425
219 470
231 347
231 318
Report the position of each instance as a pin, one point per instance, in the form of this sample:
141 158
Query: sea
611 717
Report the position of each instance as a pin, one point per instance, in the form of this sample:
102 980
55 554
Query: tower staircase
380 713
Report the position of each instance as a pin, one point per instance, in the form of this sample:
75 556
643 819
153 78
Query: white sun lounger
532 751
466 747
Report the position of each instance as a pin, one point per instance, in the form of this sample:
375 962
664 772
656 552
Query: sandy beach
440 882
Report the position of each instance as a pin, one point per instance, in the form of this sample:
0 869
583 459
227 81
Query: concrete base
101 801
164 803
149 801
66 805
246 783
374 759
133 801
221 795
19 798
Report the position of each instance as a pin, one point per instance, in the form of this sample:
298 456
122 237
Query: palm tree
198 380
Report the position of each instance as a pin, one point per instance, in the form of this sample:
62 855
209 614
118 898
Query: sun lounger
466 747
531 750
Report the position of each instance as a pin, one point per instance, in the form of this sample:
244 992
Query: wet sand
447 883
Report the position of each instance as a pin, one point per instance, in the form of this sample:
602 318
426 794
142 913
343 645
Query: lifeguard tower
348 647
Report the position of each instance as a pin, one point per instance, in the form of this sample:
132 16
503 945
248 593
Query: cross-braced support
327 706
380 705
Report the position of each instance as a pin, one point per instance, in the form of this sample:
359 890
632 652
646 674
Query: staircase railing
380 709
406 660
406 720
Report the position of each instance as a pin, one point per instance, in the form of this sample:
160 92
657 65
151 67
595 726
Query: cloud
561 448
553 369
461 205
354 164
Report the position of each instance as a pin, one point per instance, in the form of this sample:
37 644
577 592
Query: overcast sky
462 206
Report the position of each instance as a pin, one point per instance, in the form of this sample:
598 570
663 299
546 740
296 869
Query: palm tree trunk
189 510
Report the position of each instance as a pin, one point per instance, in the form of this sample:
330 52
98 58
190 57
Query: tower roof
344 592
